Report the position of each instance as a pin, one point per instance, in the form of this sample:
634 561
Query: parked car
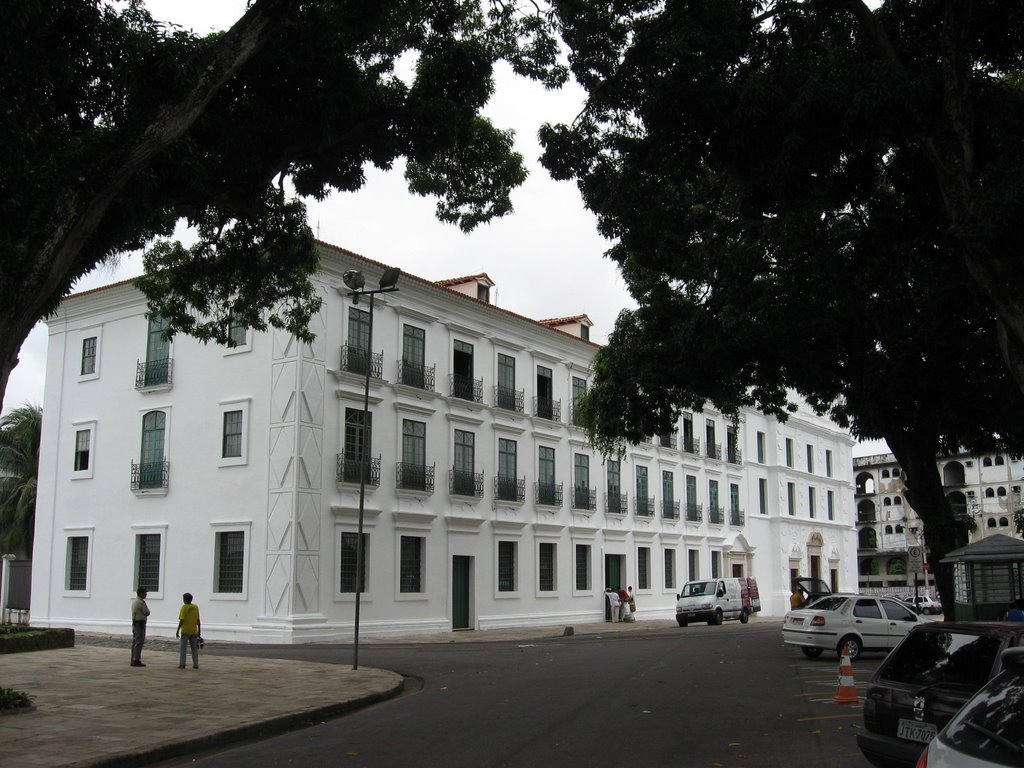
854 622
811 587
926 605
716 600
924 681
989 730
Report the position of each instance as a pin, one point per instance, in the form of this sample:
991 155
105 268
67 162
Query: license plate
912 730
796 620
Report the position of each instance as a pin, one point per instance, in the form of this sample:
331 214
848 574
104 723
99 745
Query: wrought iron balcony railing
510 399
414 477
616 503
466 387
871 517
549 494
462 483
645 506
736 517
584 498
694 513
691 444
357 360
546 408
670 509
349 469
733 455
667 441
148 475
576 414
714 451
416 375
153 373
510 489
716 515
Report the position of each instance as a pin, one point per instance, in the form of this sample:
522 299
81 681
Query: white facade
230 481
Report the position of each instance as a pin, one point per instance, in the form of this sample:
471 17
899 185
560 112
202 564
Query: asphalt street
723 697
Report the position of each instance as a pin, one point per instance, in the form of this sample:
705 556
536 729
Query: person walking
189 629
140 612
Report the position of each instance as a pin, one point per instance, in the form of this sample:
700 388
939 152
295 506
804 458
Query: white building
234 474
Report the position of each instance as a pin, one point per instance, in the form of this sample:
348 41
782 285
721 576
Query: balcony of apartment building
733 454
465 483
576 415
150 475
670 509
549 494
153 374
416 375
512 489
410 476
714 451
694 512
349 468
547 408
616 503
716 514
645 506
584 498
736 517
668 440
466 387
691 445
510 399
357 360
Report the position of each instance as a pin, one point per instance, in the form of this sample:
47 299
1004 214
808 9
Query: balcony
466 387
867 517
414 477
694 513
416 375
462 483
670 509
667 441
349 470
510 399
716 515
150 475
645 506
691 444
153 373
616 503
576 415
358 361
733 455
584 498
714 451
510 489
737 517
549 494
546 408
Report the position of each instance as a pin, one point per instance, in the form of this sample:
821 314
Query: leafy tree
20 431
773 186
127 125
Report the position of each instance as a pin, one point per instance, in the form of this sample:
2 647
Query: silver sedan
856 622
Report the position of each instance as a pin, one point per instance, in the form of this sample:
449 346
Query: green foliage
12 699
20 431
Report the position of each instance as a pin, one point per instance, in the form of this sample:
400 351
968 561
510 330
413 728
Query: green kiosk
987 577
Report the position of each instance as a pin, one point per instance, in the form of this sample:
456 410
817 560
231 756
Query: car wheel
681 622
852 644
715 620
744 617
811 653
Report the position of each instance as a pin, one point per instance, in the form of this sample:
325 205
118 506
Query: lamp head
353 279
390 278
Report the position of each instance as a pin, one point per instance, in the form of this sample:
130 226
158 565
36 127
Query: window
357 445
88 356
1000 491
579 389
760 447
987 461
582 567
830 498
584 331
76 572
506 394
414 454
581 481
83 437
229 568
642 499
615 504
811 502
545 393
1000 461
691 498
508 484
147 561
789 452
414 342
688 443
463 476
990 493
716 564
463 384
791 498
714 510
828 463
546 566
885 474
410 567
668 494
237 334
507 566
693 564
709 438
348 557
762 495
810 458
358 341
643 567
151 465
158 354
546 491
231 440
670 569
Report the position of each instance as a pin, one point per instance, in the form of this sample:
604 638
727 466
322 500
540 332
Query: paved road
725 697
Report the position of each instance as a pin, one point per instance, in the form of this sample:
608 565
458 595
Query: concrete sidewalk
93 709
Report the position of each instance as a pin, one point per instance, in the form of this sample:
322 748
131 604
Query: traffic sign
915 559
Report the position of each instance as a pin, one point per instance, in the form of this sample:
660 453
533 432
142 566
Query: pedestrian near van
140 612
189 629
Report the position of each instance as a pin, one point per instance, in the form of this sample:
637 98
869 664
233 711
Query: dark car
926 679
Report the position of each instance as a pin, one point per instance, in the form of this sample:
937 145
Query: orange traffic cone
846 693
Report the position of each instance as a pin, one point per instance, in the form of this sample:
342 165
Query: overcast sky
546 258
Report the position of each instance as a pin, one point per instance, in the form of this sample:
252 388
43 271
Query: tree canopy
808 196
20 433
127 125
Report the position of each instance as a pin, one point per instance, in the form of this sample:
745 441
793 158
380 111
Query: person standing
189 629
140 612
632 603
615 603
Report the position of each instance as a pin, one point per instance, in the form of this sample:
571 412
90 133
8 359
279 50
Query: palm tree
19 466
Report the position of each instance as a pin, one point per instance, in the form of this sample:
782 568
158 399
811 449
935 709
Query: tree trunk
943 532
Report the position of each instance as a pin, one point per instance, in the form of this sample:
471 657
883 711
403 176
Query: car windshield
697 588
991 725
931 658
832 603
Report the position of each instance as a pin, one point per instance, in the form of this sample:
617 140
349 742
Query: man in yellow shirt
189 630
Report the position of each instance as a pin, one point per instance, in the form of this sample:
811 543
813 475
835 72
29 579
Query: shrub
12 699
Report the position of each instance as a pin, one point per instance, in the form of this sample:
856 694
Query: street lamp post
355 282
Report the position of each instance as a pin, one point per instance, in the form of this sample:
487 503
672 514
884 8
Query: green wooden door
460 592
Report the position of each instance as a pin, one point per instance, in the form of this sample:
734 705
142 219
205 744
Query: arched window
869 567
990 523
886 502
885 473
897 500
888 529
899 529
987 461
896 472
865 483
1003 522
897 566
989 493
999 461
151 464
868 539
1000 491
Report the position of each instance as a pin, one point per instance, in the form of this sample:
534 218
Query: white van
716 600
